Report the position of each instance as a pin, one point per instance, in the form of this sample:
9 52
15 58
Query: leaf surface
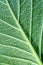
31 18
15 48
42 47
37 25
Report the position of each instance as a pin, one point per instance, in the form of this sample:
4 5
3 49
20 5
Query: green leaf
42 42
37 25
15 47
30 19
15 7
42 47
33 22
25 14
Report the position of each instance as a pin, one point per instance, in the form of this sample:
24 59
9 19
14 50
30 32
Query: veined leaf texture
21 37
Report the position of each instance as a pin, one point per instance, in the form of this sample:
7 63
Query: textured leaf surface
25 14
33 22
42 43
15 48
37 25
42 47
30 19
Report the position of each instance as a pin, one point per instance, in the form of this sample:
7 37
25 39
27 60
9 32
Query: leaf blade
3 58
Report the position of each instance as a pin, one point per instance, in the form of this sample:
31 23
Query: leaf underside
16 30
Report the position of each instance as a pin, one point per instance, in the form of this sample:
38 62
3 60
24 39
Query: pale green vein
19 59
3 64
3 3
11 2
10 25
16 48
18 9
24 10
38 4
23 3
13 38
